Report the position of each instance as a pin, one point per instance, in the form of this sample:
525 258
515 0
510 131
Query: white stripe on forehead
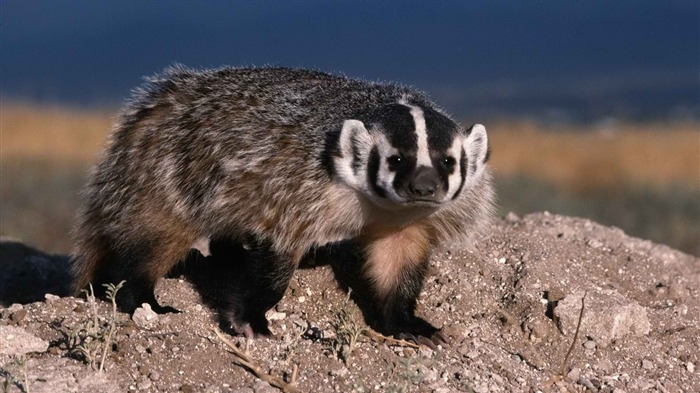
423 154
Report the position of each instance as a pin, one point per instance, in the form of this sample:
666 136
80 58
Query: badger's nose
424 184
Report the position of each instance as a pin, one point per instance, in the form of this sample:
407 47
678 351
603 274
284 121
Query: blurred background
592 108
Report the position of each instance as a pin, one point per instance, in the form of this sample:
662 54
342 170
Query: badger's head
407 155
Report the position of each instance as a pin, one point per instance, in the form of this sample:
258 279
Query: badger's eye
449 162
394 161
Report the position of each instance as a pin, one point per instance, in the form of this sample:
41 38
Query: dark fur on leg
398 311
241 281
391 316
123 264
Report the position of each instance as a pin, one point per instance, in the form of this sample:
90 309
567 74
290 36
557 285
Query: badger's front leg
243 280
396 265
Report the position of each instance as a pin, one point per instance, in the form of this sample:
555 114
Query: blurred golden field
644 178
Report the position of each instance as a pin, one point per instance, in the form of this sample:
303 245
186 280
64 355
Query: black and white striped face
409 155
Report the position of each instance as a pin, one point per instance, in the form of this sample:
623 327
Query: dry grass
45 153
64 136
637 155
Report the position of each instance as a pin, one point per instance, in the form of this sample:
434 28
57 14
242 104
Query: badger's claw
427 339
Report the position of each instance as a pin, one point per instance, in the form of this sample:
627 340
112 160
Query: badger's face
404 155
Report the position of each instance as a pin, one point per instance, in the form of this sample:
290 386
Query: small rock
605 366
17 341
677 292
275 316
341 372
144 384
588 384
463 349
154 376
498 379
595 243
300 299
647 364
590 344
690 367
145 317
512 217
430 375
18 316
51 298
574 374
608 316
187 388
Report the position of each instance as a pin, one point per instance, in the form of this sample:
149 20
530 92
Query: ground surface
511 306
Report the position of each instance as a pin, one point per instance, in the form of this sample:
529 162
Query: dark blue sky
579 59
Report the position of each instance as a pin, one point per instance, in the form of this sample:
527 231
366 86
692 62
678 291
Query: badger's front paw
247 327
421 332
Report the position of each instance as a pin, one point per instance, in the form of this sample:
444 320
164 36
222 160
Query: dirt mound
511 306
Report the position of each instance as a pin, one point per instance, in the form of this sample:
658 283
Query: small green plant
10 380
408 371
348 331
92 339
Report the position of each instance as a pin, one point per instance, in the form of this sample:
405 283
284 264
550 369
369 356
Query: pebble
463 349
574 374
18 316
144 370
144 385
595 243
145 317
154 376
690 367
511 217
187 388
17 341
430 375
647 364
276 316
50 298
590 344
341 372
498 379
588 384
605 366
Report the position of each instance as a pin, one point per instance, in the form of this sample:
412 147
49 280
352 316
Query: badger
282 161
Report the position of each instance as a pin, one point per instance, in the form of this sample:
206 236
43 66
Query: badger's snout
425 185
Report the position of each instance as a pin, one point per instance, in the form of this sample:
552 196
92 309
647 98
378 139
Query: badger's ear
352 151
477 149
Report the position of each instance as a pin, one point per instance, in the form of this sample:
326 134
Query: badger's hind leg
243 280
140 263
396 265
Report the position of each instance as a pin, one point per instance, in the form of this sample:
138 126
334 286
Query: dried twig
573 342
242 359
378 337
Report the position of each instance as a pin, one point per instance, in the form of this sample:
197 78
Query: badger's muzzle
425 185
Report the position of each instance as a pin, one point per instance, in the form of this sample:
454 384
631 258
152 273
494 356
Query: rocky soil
511 306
